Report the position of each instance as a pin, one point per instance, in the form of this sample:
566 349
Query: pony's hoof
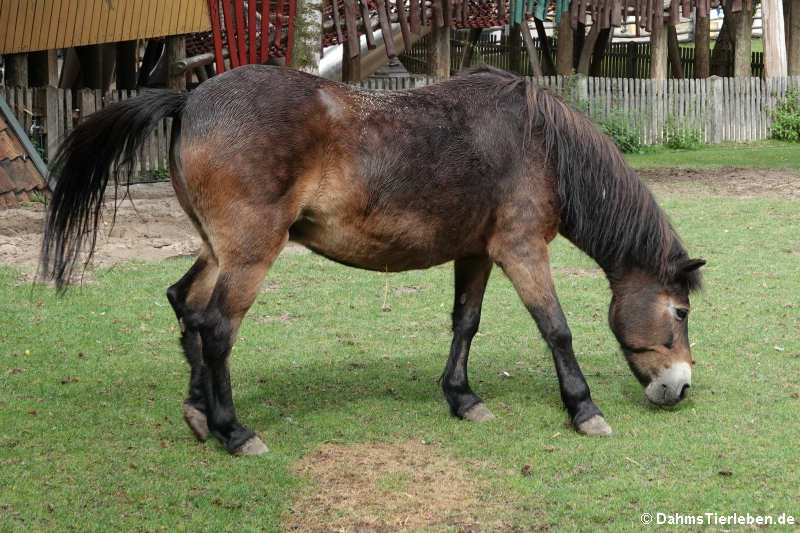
478 413
254 446
594 426
197 422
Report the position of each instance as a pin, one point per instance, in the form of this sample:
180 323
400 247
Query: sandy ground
153 227
741 183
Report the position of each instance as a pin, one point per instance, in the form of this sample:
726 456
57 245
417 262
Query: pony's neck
606 210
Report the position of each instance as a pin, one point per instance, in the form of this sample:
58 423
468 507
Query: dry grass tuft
371 488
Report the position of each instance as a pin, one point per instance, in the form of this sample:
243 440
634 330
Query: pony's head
650 320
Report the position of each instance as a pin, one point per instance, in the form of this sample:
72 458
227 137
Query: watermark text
718 519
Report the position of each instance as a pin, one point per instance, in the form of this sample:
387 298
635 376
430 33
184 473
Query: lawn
91 436
764 154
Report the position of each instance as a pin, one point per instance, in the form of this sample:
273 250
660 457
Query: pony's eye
681 313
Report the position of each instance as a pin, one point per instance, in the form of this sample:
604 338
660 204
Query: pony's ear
688 274
690 265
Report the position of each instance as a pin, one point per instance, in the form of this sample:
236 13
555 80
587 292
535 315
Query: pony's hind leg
188 297
471 275
241 271
527 265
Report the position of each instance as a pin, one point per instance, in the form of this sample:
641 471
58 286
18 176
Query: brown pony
481 169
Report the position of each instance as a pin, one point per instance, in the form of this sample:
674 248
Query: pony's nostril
684 391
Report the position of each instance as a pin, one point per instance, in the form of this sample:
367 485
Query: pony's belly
370 248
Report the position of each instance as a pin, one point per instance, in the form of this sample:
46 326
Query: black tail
82 168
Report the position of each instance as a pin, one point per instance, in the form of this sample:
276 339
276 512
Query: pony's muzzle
671 386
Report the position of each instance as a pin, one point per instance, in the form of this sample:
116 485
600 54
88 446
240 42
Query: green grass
756 45
91 436
765 154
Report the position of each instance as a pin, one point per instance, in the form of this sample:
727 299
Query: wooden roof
21 169
27 26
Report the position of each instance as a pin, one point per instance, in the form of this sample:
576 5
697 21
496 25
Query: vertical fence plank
58 95
19 98
50 118
68 118
760 109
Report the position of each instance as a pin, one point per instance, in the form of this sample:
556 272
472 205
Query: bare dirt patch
371 488
738 182
150 226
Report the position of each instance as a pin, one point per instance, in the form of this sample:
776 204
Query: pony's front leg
529 271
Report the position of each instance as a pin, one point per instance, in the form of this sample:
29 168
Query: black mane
606 210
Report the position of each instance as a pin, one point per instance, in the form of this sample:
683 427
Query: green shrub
624 131
786 118
38 197
680 136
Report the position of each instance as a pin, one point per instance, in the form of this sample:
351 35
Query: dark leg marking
529 271
471 275
195 406
233 295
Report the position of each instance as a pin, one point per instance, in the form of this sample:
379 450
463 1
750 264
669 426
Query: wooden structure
251 32
346 20
621 60
98 38
50 24
22 171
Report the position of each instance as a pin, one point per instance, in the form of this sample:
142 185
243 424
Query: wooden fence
716 109
48 113
621 60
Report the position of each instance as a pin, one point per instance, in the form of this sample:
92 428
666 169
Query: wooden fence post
715 110
85 103
176 51
582 91
48 98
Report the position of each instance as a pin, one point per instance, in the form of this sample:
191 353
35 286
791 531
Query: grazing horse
485 168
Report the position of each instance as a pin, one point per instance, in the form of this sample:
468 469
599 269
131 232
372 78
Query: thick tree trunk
514 47
548 66
176 50
722 55
469 48
307 40
587 50
658 53
439 50
774 38
578 40
599 52
702 45
533 56
793 48
741 34
564 50
351 66
674 52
